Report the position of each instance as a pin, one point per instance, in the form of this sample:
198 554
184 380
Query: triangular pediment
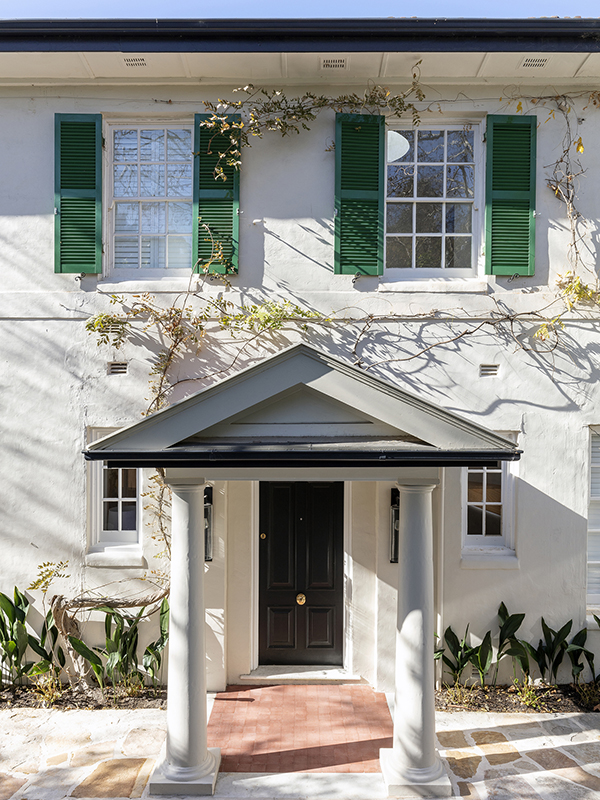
302 394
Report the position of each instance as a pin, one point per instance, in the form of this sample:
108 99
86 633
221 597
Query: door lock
263 536
301 599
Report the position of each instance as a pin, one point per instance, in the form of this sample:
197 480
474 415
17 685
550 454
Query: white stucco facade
56 391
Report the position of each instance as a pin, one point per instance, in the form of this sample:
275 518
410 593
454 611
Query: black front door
301 573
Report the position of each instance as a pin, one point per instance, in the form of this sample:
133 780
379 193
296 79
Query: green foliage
508 643
481 656
152 658
109 328
264 110
575 651
14 639
92 658
460 652
47 572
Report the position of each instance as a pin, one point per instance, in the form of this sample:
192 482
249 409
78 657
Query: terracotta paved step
324 728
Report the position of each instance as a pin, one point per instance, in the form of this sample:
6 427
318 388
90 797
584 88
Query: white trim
255 579
477 550
117 276
347 647
391 276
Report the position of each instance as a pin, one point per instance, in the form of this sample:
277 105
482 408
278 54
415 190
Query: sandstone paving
54 755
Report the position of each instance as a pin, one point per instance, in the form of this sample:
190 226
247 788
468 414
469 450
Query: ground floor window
487 508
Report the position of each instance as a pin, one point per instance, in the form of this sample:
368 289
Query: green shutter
359 188
78 193
216 202
510 195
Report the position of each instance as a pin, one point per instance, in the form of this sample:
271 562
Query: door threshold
291 674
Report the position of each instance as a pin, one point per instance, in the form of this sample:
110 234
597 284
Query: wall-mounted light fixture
208 507
394 525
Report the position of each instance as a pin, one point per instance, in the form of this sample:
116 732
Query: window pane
458 218
428 253
129 482
400 146
179 145
493 486
458 252
180 217
493 520
399 217
398 252
474 521
129 522
152 146
126 145
594 516
461 146
430 146
153 252
110 516
400 181
460 182
430 182
125 181
429 217
594 547
127 218
152 180
153 217
126 252
111 483
179 180
180 252
475 487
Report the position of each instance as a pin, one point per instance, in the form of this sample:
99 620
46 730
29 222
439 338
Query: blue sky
57 9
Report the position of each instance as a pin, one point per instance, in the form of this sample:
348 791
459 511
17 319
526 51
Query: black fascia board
301 35
282 458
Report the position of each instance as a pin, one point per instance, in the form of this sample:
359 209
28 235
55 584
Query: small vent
487 370
533 63
337 64
134 62
116 368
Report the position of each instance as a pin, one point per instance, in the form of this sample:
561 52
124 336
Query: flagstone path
51 755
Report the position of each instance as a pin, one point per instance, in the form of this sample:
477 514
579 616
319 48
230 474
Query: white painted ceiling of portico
302 394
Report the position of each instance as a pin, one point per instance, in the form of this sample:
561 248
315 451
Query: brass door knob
263 536
301 599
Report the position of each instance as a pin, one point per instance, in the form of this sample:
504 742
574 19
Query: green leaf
8 608
164 619
83 650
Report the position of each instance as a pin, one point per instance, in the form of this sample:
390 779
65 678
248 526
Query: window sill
436 285
115 557
498 558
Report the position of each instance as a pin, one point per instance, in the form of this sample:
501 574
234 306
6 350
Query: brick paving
337 728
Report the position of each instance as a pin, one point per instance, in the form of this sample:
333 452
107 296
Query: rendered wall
54 382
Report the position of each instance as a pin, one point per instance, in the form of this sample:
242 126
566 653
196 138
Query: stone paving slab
54 755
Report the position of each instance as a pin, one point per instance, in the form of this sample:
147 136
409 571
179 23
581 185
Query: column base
160 784
429 783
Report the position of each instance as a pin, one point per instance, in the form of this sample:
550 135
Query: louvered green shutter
359 188
510 195
216 202
78 193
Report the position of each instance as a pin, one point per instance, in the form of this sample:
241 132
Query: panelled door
301 573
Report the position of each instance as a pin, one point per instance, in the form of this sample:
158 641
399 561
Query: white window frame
110 123
397 274
110 549
473 545
592 600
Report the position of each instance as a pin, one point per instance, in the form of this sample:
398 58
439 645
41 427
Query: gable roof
302 407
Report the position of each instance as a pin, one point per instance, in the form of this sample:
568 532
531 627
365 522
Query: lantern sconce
394 525
208 507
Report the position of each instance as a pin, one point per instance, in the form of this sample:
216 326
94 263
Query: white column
413 767
188 766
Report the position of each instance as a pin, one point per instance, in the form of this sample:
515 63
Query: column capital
417 485
180 484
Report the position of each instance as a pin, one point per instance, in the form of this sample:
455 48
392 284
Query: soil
111 698
548 699
532 699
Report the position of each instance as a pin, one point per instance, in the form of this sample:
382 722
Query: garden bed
532 699
117 697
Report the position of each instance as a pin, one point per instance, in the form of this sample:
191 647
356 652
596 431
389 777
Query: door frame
347 577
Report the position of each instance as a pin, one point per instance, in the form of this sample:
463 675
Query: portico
304 416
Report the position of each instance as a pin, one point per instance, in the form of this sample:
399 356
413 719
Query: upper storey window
430 192
152 198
